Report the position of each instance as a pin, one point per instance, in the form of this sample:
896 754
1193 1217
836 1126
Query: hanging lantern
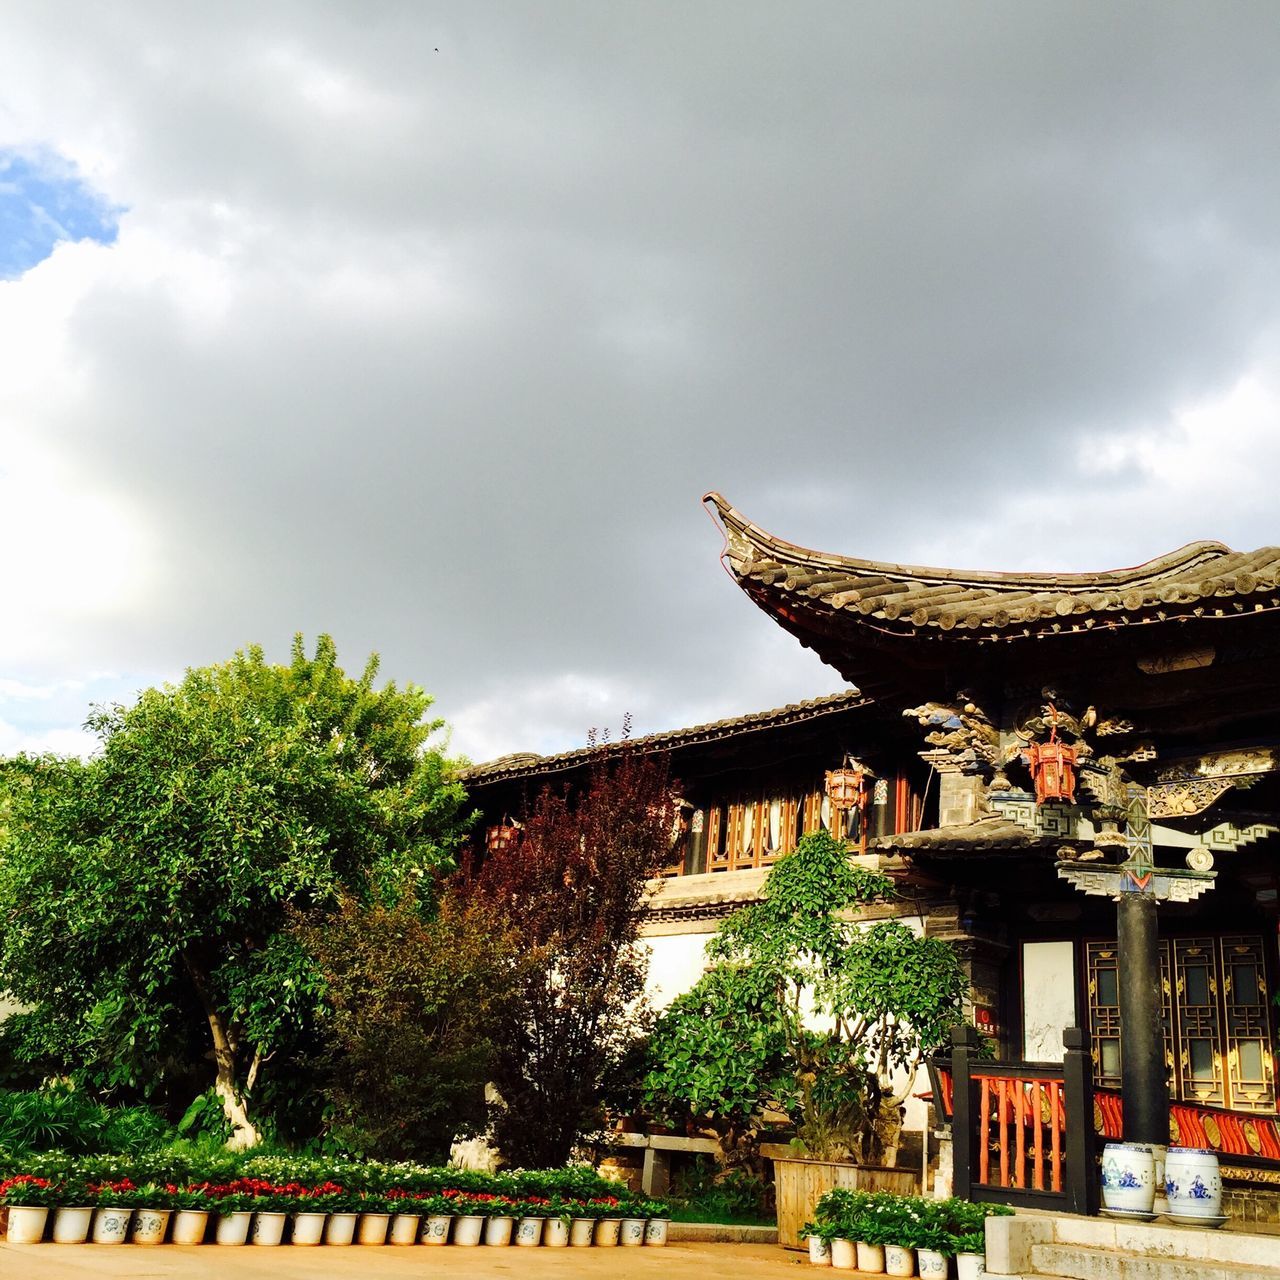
1053 769
501 838
844 788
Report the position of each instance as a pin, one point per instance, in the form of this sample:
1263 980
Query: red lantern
1053 769
501 838
844 788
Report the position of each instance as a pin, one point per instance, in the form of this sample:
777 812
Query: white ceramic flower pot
110 1226
581 1232
899 1261
26 1223
468 1229
655 1231
931 1264
871 1258
844 1255
150 1225
1193 1183
529 1232
970 1266
404 1228
555 1233
268 1228
819 1251
437 1229
308 1228
341 1228
71 1224
632 1233
608 1230
497 1231
1128 1177
373 1228
233 1228
189 1226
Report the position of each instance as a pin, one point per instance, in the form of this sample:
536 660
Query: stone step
1081 1262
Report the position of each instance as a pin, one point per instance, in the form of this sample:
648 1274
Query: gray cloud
438 350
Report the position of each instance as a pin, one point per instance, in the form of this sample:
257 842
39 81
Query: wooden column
1144 1083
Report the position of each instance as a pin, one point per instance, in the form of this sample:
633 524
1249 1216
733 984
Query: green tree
146 892
849 1006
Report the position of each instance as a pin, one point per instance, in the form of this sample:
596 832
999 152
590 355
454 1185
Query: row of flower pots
879 1233
76 1224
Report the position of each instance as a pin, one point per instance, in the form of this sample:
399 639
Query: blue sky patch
44 201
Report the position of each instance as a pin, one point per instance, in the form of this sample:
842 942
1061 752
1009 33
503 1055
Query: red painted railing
1021 1119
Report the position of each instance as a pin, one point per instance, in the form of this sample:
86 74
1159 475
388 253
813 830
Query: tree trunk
244 1133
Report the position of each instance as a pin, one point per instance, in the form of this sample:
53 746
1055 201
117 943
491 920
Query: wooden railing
1022 1133
1026 1133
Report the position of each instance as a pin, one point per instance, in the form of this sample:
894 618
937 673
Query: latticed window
1217 1020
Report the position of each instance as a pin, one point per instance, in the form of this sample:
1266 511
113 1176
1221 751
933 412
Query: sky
428 325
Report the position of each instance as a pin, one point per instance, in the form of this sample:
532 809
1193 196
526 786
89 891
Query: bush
66 1119
705 1193
411 1024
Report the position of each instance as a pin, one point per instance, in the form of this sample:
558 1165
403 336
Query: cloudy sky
428 324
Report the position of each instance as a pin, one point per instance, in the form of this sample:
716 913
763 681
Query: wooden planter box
800 1184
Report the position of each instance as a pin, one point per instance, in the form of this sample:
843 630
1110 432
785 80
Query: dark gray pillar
1144 1084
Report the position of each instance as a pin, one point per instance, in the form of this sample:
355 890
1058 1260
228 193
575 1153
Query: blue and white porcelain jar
1128 1177
1193 1183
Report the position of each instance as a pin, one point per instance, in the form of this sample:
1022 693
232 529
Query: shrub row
911 1222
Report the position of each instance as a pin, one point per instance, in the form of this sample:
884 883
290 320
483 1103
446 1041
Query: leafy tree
572 891
413 1001
851 1007
145 893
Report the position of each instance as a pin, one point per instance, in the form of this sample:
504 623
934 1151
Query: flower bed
269 1200
877 1232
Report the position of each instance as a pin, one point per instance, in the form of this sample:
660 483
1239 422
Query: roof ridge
740 534
530 762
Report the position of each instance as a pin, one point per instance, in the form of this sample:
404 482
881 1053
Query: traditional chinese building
1072 776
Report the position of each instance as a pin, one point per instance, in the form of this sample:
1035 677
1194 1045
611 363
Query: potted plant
555 1229
531 1217
499 1220
190 1213
439 1214
469 1215
406 1215
657 1221
150 1216
970 1249
73 1215
234 1211
927 1232
115 1200
375 1217
582 1224
818 1236
29 1199
342 1204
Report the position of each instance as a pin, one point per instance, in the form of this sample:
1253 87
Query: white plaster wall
676 962
1048 998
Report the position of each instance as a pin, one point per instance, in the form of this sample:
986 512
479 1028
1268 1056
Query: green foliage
703 1192
66 1119
719 1050
808 1011
147 890
414 1004
913 1222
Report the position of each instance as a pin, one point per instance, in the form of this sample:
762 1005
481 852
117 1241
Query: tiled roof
527 764
1201 579
993 835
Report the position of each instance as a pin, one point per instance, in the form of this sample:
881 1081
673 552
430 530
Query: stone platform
1036 1246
